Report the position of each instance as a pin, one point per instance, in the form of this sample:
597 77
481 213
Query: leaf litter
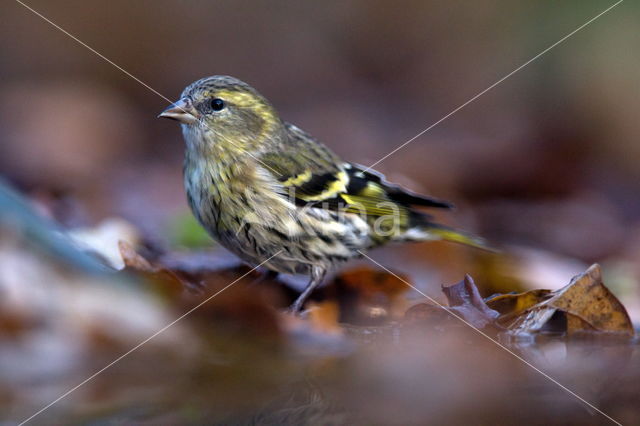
585 305
239 357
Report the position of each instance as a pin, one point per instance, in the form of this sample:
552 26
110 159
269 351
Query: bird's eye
217 104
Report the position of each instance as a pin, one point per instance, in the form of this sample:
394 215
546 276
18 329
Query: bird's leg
317 275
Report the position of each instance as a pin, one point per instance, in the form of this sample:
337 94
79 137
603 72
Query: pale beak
182 110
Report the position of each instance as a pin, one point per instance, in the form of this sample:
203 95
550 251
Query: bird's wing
367 186
311 174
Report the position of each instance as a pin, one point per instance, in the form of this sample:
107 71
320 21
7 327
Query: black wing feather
360 176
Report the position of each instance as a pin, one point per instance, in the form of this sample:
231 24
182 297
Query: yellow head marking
238 98
261 108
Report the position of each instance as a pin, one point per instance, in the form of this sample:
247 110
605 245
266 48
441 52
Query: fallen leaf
517 302
464 302
169 284
464 299
587 298
131 259
586 303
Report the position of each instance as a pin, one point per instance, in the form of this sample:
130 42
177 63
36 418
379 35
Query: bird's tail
432 231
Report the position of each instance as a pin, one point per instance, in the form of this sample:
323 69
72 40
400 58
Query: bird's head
224 111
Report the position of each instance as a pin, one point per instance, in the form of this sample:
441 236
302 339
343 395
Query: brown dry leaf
576 324
587 298
464 299
170 284
132 259
513 304
529 321
587 304
464 302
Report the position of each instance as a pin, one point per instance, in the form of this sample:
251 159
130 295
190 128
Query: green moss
187 232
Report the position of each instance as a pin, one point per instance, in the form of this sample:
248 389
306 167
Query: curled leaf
165 280
464 299
587 299
586 304
515 303
464 302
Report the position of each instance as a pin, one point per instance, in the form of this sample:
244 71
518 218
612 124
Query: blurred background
545 165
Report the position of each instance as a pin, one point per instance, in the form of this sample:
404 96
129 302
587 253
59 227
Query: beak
182 110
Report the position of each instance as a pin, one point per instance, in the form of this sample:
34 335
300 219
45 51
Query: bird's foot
295 308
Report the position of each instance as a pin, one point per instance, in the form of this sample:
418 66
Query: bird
274 196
